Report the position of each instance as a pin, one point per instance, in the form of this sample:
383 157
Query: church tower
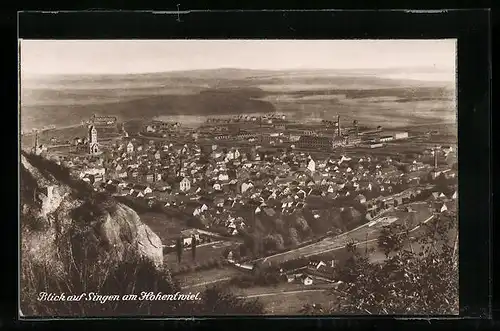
93 143
36 148
180 170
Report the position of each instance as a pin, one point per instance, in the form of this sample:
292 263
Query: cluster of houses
214 183
441 203
162 127
315 269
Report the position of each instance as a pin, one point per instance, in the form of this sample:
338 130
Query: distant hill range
67 100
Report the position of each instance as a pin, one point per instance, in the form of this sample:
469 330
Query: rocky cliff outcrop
61 222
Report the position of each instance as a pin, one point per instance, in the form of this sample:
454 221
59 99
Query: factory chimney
338 125
435 158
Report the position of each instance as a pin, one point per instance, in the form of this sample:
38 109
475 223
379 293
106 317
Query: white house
230 155
320 264
447 149
187 236
138 194
246 186
361 198
130 147
223 177
344 158
311 166
184 185
147 190
200 210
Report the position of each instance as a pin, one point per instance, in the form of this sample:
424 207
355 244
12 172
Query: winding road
325 242
368 241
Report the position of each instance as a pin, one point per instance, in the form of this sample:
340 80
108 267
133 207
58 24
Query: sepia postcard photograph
175 178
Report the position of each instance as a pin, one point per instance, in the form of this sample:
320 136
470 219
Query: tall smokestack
338 125
435 158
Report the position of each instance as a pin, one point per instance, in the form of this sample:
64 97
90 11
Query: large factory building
339 139
315 142
400 135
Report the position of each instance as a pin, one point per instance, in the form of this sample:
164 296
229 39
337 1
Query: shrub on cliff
121 279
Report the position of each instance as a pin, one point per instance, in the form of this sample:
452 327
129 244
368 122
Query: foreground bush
122 279
410 280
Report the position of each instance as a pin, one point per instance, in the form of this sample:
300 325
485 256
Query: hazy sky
141 56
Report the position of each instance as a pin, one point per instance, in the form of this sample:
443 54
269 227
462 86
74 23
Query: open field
289 298
201 279
62 134
292 303
165 227
302 96
169 229
448 128
204 253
